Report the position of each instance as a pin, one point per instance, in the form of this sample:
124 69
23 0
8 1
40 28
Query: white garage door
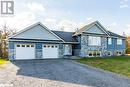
50 51
25 51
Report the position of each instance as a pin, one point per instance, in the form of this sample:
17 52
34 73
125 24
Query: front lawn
120 65
3 61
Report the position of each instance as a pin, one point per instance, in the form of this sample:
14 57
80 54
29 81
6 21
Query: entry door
25 51
66 50
50 51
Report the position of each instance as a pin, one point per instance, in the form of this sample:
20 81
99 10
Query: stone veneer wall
38 53
11 54
11 50
38 50
61 50
114 52
85 48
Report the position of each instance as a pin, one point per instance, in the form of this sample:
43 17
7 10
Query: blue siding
121 46
95 29
37 32
114 45
11 45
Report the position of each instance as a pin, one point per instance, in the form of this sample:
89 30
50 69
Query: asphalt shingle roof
115 35
66 36
87 26
83 28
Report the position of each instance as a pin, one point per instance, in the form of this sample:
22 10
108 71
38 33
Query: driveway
57 73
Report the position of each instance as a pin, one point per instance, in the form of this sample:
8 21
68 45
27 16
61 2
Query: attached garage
38 42
25 51
50 51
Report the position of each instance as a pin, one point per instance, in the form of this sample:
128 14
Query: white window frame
119 41
94 41
109 41
118 53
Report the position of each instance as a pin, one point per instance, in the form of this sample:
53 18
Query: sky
69 15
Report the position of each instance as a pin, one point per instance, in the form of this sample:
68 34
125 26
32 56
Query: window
18 45
90 54
32 45
109 53
23 45
119 41
27 45
98 54
119 53
94 54
94 40
45 46
109 41
55 46
48 46
52 46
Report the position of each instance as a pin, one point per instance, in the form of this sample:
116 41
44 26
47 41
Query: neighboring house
38 42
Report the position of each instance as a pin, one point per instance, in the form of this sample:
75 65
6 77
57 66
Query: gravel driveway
57 73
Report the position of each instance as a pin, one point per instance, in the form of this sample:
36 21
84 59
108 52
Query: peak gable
37 31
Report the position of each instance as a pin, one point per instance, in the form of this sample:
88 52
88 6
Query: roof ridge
63 31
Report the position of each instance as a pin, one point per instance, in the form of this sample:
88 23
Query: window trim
94 41
119 41
119 53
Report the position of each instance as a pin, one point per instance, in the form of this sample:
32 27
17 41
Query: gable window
96 41
119 41
109 41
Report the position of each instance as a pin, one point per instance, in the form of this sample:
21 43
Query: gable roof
86 27
38 23
66 36
69 36
109 33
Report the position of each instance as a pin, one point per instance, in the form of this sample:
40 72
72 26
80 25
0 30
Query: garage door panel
50 51
25 51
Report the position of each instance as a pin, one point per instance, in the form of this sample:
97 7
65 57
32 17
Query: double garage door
27 51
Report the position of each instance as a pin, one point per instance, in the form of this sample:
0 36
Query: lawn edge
102 70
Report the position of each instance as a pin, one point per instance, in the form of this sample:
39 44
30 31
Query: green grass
3 61
120 65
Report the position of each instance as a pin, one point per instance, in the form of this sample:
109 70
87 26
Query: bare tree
5 32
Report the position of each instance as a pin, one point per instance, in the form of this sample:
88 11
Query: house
39 42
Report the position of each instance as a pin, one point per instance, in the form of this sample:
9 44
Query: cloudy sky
71 14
